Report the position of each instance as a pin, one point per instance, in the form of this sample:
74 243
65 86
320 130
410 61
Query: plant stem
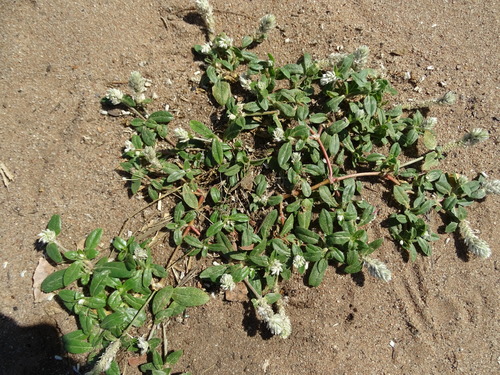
252 289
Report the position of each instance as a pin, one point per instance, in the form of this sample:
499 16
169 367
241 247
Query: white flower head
280 325
115 96
474 244
47 236
299 261
142 344
231 116
491 186
360 57
327 78
264 310
137 82
129 146
223 41
276 267
476 135
267 23
447 99
206 12
140 253
377 269
227 282
245 81
278 134
206 48
181 134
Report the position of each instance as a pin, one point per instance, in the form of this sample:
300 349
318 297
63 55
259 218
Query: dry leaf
43 269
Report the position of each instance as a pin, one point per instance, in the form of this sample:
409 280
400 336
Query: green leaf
430 140
53 252
401 196
74 342
424 246
451 227
326 221
221 92
214 228
174 357
306 235
217 151
318 118
55 224
161 117
99 282
318 272
73 272
113 369
116 269
189 296
268 223
162 298
370 105
442 185
215 194
214 272
286 109
284 154
93 239
53 282
189 197
201 129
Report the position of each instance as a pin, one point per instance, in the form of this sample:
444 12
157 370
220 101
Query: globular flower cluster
474 244
278 323
491 186
47 236
377 269
115 96
227 282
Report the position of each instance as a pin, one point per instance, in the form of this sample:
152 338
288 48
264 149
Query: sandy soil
57 59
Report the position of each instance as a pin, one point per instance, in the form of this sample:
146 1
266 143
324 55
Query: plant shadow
30 350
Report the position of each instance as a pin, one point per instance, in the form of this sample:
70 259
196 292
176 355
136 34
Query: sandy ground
58 57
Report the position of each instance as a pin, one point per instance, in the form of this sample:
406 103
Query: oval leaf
189 296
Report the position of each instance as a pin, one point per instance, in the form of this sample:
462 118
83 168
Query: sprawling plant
275 186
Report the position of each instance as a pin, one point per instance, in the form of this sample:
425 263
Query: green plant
279 189
112 296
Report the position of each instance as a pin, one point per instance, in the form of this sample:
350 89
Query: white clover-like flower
336 58
206 48
245 81
340 217
267 23
474 244
206 12
295 157
181 134
476 135
447 99
140 253
360 57
143 345
491 186
300 261
224 42
47 236
129 146
276 267
227 282
327 78
279 324
231 116
377 269
115 96
278 134
264 310
137 82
